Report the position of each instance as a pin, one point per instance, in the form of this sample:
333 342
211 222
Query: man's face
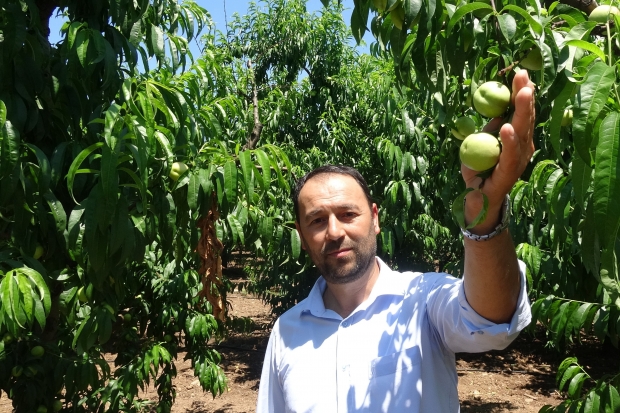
337 227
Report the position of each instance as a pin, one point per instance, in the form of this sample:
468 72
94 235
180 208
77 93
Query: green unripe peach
127 318
38 252
37 351
567 117
533 60
480 151
8 337
178 168
603 13
82 295
464 127
41 409
492 99
17 371
56 405
167 338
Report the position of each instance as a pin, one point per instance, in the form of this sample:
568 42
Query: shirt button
345 324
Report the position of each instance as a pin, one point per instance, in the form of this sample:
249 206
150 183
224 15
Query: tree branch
258 126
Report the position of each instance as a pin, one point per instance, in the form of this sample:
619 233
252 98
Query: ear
375 218
301 237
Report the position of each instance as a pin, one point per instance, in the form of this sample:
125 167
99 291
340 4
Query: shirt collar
388 283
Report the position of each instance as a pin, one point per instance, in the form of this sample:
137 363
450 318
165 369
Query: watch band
497 230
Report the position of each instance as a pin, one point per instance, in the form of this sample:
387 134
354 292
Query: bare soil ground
520 378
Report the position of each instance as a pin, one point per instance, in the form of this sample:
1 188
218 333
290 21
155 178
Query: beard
353 266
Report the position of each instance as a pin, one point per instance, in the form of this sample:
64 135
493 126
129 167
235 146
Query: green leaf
27 302
590 102
9 148
72 32
58 212
606 195
246 167
557 113
578 318
458 210
581 175
266 228
359 17
567 374
462 11
82 40
193 189
230 181
295 244
157 41
44 174
610 399
592 403
534 25
574 388
165 145
77 162
2 113
508 26
236 227
589 47
412 9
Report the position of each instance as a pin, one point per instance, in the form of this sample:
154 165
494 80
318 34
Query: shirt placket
343 362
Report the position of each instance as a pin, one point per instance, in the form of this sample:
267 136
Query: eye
317 221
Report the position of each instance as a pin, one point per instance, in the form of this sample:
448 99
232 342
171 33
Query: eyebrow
342 207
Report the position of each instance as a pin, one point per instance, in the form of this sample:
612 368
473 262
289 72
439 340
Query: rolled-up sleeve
270 394
461 328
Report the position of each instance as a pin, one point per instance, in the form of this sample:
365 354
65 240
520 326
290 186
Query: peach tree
565 208
120 184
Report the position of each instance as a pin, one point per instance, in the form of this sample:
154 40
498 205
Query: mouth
339 253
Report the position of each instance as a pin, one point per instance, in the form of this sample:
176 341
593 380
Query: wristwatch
497 230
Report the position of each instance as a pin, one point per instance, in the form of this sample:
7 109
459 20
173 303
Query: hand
517 150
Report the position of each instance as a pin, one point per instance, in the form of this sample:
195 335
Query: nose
334 228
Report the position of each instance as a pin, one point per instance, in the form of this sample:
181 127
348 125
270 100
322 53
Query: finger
520 81
523 118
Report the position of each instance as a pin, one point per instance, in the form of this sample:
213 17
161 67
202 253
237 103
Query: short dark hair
329 169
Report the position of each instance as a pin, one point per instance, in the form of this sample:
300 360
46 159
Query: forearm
492 283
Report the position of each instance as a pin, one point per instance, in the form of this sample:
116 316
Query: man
368 339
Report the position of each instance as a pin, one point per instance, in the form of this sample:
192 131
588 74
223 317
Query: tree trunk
258 126
46 8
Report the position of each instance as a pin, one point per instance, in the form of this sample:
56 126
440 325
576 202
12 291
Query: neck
345 298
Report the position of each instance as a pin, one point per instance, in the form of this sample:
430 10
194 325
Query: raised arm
492 284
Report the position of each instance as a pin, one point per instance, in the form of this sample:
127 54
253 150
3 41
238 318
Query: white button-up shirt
394 353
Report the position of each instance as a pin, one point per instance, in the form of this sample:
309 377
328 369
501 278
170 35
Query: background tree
111 175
